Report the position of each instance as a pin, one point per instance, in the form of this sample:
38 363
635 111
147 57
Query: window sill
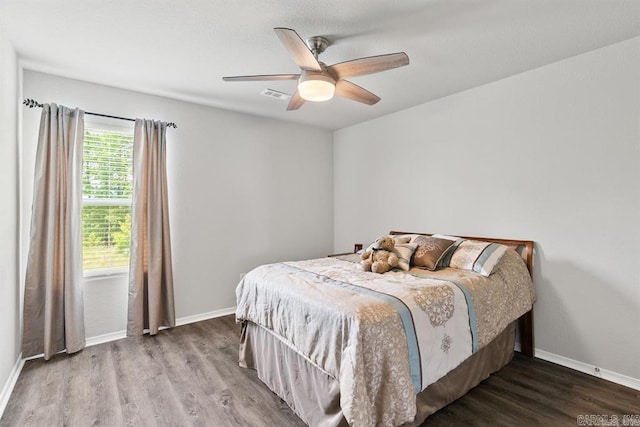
105 274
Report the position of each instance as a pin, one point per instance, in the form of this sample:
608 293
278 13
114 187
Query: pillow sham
480 257
404 251
405 238
445 236
430 251
446 259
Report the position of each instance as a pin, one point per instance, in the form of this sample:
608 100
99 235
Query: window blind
106 212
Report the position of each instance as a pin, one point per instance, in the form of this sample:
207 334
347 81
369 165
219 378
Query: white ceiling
182 49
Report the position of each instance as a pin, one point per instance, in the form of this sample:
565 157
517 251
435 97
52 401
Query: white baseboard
10 384
101 339
205 316
113 336
605 374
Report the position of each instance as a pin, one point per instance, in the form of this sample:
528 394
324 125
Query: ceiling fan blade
260 78
298 49
369 65
352 91
295 102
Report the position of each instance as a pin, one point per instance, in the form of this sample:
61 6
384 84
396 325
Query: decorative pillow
446 258
404 251
405 238
430 251
480 257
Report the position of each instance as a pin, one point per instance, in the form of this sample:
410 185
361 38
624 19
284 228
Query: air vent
275 94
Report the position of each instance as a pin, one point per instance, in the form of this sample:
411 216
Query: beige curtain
53 299
151 302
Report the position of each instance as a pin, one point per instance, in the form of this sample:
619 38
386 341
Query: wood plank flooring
189 376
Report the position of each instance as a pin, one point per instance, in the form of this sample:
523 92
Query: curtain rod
32 103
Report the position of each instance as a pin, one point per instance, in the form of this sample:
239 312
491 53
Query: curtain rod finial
31 103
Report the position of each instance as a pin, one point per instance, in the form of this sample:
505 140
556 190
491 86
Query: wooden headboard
525 250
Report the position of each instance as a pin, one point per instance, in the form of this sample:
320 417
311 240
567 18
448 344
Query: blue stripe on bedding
473 323
415 365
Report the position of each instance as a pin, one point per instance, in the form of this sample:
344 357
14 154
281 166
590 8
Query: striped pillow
404 251
480 257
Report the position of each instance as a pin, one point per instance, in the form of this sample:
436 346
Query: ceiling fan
319 82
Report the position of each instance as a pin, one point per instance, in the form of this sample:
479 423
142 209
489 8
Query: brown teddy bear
379 256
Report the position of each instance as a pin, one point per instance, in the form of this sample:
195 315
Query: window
107 179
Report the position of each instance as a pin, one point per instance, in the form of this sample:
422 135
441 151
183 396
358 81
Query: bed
346 347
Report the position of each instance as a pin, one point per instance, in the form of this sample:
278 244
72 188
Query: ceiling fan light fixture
319 82
314 86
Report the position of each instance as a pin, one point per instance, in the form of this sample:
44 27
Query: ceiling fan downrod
317 45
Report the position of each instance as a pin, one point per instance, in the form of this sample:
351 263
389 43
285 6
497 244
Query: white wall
551 155
9 289
243 190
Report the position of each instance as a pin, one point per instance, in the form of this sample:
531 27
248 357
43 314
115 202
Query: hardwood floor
189 376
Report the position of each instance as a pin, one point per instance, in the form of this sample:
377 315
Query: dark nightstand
356 248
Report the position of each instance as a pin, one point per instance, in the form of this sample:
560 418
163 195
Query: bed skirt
314 395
